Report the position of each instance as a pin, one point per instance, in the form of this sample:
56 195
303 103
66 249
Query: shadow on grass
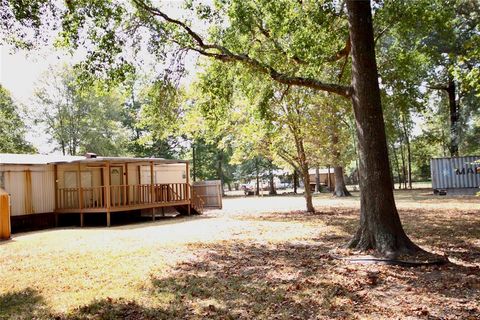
240 282
26 304
455 233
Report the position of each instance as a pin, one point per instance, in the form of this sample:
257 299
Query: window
71 179
2 180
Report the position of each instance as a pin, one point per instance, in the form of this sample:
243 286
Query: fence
210 192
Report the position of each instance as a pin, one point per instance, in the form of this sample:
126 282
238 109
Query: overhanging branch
223 54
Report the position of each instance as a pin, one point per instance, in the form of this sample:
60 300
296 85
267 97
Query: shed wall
455 173
31 188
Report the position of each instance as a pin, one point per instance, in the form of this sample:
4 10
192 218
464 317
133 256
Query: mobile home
42 187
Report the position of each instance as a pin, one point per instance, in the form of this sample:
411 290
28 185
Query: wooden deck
116 198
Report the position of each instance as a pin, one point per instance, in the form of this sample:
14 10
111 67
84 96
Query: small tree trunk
454 117
380 227
308 191
317 180
409 153
404 168
329 180
220 171
257 177
194 164
272 191
340 187
295 181
397 166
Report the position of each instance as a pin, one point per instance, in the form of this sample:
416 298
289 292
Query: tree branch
438 87
225 55
342 53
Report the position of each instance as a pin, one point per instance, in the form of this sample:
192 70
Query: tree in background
436 52
12 127
81 118
330 137
157 128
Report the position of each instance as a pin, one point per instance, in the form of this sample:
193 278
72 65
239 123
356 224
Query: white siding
42 188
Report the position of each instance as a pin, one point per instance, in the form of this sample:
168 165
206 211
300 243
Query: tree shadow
25 304
259 282
453 233
239 282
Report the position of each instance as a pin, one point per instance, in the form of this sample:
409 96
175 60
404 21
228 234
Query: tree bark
340 187
380 227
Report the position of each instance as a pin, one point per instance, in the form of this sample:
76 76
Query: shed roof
12 158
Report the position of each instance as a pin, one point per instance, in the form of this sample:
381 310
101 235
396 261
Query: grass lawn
258 258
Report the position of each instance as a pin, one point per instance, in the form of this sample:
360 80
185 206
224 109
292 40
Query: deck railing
121 196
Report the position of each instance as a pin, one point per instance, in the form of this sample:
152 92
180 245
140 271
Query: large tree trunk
380 227
340 187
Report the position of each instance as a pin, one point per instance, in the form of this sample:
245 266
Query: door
116 186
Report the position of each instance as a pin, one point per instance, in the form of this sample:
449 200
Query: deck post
127 192
188 192
107 192
80 193
55 185
55 188
152 180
